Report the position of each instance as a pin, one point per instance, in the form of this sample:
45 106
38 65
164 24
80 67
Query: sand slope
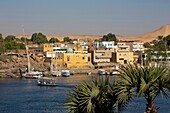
148 37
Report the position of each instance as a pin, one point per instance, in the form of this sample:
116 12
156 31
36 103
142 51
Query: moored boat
33 74
65 73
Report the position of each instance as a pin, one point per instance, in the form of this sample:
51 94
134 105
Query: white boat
29 73
65 73
33 74
114 72
56 73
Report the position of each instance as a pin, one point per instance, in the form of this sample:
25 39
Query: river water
24 96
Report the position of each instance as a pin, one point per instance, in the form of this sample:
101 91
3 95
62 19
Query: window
121 58
89 59
83 58
68 58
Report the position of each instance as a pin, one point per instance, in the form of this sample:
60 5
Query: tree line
10 42
158 47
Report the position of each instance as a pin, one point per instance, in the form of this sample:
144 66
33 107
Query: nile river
24 96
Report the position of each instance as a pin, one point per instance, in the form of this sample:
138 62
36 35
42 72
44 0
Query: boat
101 72
115 70
65 73
56 73
33 74
46 82
30 74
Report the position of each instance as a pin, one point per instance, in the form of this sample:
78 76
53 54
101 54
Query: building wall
58 61
47 47
76 60
123 48
133 45
102 56
138 46
124 57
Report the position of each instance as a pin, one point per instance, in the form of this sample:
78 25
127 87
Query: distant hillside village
74 53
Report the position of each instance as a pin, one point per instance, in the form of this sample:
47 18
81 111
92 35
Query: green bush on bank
2 75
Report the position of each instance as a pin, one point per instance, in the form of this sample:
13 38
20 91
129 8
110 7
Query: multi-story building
73 60
101 57
77 59
135 46
123 47
124 54
68 57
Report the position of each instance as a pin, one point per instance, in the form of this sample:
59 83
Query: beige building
102 57
134 46
124 54
124 57
123 47
78 58
75 60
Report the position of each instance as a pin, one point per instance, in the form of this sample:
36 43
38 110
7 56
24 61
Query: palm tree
95 96
147 81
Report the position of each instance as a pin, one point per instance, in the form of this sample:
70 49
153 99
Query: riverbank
76 71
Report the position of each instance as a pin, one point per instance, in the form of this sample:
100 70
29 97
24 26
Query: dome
70 50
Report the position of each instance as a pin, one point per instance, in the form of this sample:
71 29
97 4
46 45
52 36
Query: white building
137 46
105 44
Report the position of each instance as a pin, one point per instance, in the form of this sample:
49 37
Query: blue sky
83 17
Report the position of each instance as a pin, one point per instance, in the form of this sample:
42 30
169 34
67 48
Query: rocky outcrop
12 64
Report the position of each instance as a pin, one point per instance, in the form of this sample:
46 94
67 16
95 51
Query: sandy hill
148 37
84 37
